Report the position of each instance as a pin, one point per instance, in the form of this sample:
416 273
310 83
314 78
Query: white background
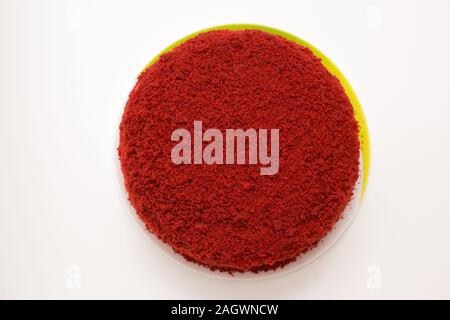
66 68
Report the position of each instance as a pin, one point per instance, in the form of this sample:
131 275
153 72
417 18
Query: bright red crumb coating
229 217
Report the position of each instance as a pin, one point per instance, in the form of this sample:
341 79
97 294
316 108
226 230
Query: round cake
232 215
